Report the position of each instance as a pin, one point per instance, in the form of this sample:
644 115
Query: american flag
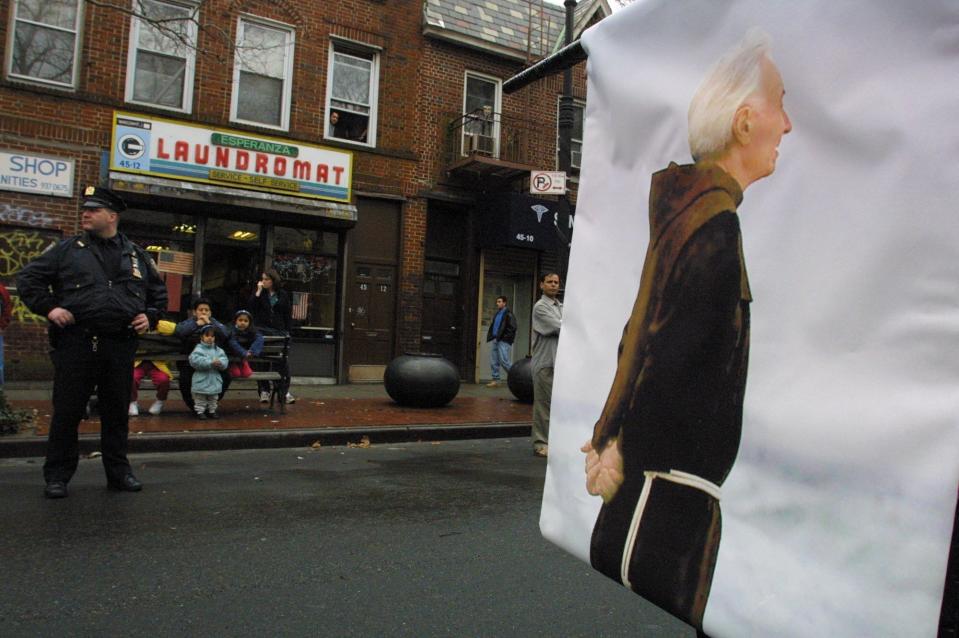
175 261
301 305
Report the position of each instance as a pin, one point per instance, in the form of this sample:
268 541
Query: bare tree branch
185 30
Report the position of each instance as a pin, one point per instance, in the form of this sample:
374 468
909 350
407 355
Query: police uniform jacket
72 275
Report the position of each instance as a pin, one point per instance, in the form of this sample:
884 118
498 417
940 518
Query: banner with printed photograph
814 239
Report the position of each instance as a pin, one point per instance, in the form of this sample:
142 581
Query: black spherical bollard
421 380
520 380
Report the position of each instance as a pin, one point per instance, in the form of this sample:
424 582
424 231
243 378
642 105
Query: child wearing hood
189 333
245 342
207 360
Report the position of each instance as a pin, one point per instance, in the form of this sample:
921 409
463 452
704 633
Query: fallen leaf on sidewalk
364 443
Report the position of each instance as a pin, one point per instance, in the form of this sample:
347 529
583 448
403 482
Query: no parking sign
547 182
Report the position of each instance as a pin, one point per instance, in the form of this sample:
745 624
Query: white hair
730 81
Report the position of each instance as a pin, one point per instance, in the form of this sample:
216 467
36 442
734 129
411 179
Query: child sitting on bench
245 342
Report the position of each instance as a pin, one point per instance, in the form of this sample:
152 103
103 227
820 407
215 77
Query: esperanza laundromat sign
37 174
164 148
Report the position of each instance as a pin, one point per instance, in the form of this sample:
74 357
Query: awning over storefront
142 186
524 221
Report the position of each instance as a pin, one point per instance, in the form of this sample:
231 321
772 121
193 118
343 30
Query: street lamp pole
565 126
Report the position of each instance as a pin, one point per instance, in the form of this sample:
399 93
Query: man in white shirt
547 320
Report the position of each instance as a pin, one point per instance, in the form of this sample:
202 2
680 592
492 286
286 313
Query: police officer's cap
99 197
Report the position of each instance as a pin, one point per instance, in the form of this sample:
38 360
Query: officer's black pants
81 362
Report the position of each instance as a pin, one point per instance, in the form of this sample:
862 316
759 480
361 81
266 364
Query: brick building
362 148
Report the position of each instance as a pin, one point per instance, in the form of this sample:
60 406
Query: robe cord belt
674 476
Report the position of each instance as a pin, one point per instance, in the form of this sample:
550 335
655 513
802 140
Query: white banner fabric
837 515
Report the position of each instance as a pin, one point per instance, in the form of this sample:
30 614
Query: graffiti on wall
21 314
18 215
19 246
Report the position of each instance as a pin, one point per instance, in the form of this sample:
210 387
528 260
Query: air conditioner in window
482 144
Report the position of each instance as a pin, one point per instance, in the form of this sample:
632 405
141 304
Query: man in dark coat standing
99 291
502 333
670 430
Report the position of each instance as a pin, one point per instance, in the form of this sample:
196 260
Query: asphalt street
416 539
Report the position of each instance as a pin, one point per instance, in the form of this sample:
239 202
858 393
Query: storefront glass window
231 265
169 239
306 260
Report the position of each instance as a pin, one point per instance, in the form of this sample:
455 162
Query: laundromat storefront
216 207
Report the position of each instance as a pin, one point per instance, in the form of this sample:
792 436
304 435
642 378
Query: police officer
99 291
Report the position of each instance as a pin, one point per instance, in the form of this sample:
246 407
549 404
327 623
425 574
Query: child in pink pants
160 376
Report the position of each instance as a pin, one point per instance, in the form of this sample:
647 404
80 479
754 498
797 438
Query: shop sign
166 148
517 219
547 182
37 174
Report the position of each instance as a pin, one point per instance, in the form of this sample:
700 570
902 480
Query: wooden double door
370 314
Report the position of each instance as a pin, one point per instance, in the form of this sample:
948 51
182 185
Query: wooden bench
275 357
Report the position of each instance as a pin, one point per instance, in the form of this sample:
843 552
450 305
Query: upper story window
576 137
162 54
45 42
263 74
352 94
481 107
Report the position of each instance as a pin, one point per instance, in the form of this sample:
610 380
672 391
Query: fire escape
484 144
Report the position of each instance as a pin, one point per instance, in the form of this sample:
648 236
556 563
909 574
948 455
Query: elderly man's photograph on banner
774 187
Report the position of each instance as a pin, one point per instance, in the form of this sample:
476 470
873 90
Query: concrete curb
256 439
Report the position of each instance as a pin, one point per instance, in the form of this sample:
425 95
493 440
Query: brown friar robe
676 400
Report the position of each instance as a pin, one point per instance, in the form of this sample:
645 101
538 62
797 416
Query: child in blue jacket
245 342
189 333
207 361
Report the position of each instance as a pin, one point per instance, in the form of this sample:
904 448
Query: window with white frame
45 42
481 105
576 137
162 54
263 74
351 93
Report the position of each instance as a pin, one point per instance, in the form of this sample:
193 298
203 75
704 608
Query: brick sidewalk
240 414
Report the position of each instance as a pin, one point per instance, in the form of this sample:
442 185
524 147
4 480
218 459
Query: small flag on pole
301 305
175 261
